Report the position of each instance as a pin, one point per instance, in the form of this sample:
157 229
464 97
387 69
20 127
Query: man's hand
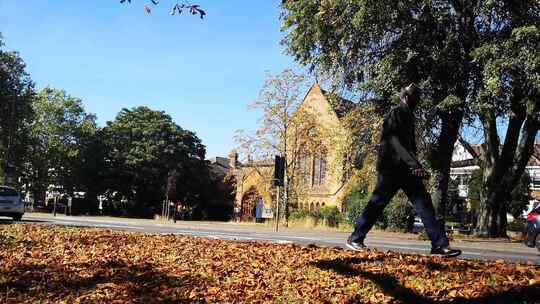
420 172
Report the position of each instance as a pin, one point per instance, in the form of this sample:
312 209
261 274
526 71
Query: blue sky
113 56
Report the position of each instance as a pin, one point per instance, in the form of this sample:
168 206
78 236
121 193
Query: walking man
398 168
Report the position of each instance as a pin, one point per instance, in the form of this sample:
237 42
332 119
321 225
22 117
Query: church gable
327 108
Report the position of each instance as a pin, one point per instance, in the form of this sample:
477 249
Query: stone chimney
233 159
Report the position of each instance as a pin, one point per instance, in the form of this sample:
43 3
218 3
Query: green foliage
475 188
517 225
374 45
520 197
300 214
510 71
331 215
144 149
58 135
399 214
355 203
16 97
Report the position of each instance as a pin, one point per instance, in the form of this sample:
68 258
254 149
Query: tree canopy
144 147
58 131
16 96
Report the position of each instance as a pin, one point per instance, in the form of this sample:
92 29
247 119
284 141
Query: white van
10 203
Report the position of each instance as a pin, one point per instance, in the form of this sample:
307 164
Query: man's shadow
392 287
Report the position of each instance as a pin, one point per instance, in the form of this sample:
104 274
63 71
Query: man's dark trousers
388 183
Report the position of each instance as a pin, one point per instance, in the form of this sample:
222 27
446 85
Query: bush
331 215
355 203
299 214
399 214
517 225
305 217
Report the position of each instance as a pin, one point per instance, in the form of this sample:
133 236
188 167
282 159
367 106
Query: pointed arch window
304 169
319 168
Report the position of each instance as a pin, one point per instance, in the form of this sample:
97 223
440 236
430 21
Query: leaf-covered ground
41 263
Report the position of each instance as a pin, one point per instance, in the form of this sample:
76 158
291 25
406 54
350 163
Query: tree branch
517 116
492 141
528 137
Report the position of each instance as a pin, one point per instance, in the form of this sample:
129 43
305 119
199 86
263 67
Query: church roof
340 105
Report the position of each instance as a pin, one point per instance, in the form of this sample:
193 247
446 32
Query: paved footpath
484 250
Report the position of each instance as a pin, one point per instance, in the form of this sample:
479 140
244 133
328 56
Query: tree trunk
502 220
439 194
492 212
39 185
441 159
487 208
503 171
483 219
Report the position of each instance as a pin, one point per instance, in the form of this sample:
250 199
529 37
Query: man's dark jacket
397 149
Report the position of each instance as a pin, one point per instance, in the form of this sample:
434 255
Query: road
483 250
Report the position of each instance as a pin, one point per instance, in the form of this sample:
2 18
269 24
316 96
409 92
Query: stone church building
320 165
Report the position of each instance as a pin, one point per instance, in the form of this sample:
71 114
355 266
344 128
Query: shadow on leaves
136 283
392 287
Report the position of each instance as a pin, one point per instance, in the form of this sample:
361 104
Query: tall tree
379 46
145 147
16 97
508 91
58 134
91 167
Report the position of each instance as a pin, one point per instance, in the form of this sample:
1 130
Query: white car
418 225
10 203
